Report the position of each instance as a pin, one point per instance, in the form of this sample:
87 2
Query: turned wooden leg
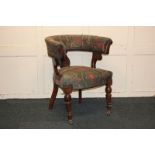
80 96
108 90
68 104
53 96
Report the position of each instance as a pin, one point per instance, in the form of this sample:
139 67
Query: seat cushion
81 77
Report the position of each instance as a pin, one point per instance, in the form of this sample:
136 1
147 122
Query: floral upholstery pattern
58 45
81 42
81 77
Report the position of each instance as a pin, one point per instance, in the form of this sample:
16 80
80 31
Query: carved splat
95 56
65 61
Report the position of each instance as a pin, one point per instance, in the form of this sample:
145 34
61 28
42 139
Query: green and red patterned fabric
81 77
80 42
77 42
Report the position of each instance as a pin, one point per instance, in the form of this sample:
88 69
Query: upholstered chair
78 78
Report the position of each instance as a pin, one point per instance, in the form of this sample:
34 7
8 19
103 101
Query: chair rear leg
53 96
80 96
108 90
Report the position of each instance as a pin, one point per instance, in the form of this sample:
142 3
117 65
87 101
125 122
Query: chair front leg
108 90
53 96
67 99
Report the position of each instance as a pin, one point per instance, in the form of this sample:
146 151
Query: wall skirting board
26 70
75 95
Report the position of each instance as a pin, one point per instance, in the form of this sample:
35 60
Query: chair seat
82 77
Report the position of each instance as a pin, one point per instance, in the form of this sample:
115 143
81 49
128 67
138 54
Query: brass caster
109 112
70 122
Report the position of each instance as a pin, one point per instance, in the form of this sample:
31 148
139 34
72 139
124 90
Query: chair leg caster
109 112
70 122
50 105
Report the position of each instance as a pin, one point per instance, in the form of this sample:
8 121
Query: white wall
26 70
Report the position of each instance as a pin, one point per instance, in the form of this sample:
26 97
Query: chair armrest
107 46
54 47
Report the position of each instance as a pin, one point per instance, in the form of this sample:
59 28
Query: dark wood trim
107 47
95 56
65 61
80 96
67 99
108 91
55 65
53 96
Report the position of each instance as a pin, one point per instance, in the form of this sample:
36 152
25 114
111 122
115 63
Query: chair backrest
59 45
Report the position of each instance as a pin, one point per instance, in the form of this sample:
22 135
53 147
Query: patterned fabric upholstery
59 44
81 77
80 42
